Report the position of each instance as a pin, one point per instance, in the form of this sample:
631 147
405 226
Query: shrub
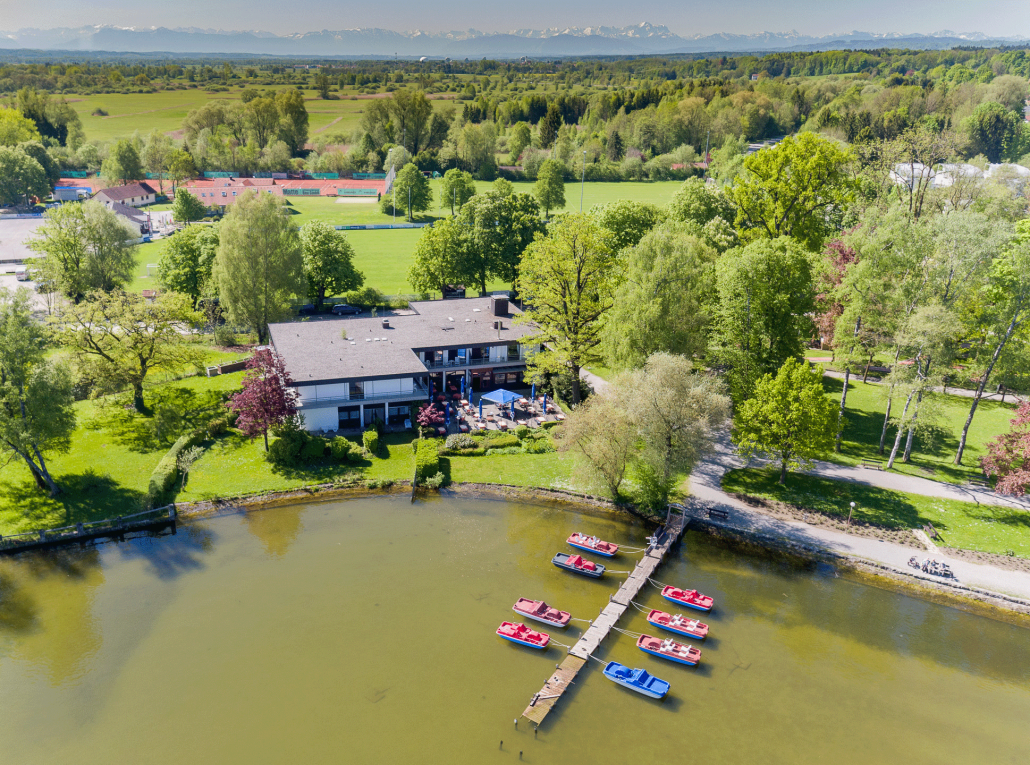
224 336
538 446
217 427
313 449
427 459
379 483
476 451
286 448
521 432
232 417
501 440
459 441
371 440
550 424
504 450
435 481
339 448
167 470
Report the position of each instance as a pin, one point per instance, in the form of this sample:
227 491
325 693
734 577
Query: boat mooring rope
632 549
627 633
640 607
574 619
602 661
561 644
610 571
659 585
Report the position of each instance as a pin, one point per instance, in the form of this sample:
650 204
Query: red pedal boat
541 612
593 544
669 649
523 635
689 598
678 624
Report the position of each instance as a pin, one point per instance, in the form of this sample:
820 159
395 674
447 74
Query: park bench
871 465
930 530
720 514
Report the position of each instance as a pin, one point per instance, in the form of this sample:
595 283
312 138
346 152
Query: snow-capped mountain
639 39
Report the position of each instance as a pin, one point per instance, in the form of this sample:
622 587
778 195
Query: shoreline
982 602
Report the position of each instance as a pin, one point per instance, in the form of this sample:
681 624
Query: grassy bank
964 525
931 458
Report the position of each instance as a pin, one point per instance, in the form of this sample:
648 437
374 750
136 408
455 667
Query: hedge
167 470
313 449
427 459
501 441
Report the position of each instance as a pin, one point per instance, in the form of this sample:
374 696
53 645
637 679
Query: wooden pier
579 655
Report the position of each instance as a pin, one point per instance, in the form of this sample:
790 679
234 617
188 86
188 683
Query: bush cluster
459 441
344 450
371 440
167 470
217 427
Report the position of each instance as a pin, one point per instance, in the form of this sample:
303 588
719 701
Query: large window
357 390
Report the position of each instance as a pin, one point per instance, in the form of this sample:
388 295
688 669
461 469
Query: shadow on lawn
85 496
171 412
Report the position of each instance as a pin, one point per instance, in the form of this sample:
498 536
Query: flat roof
316 351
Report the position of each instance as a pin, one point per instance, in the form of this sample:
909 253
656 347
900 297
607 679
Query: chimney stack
499 306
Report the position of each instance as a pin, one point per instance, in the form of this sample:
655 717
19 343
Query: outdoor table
463 427
441 397
481 425
441 430
456 397
524 402
559 417
502 425
464 402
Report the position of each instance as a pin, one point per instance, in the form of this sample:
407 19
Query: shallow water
362 632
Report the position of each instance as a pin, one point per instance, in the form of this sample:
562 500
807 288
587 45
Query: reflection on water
362 632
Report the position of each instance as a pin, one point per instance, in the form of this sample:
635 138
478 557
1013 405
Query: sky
684 17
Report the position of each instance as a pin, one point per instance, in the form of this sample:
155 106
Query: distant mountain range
642 39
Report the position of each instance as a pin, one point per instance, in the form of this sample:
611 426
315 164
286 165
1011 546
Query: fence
390 177
326 176
160 516
368 176
357 192
158 177
74 174
302 192
218 174
382 225
22 216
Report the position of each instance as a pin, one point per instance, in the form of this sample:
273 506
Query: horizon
808 18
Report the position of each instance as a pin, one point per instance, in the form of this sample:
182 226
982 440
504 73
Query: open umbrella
532 393
545 405
463 386
447 416
480 407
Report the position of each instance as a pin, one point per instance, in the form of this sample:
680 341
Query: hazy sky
815 17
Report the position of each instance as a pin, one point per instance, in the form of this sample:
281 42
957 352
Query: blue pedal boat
577 565
636 680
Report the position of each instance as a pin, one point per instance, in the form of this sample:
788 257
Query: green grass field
964 525
385 256
930 459
165 111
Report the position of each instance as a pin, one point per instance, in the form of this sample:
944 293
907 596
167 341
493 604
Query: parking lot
13 234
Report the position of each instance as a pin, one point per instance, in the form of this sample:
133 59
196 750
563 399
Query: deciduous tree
627 221
699 202
187 260
789 418
568 279
549 189
1008 456
458 188
438 258
187 208
120 338
412 191
266 399
21 177
36 414
601 432
328 262
84 247
259 268
123 163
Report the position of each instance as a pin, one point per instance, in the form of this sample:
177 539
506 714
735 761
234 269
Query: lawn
930 459
964 525
385 255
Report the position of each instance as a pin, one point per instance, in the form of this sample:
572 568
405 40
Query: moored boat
593 544
523 635
678 624
577 565
541 612
636 680
669 649
689 598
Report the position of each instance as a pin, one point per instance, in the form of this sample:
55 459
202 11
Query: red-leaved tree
1008 456
837 257
267 400
428 418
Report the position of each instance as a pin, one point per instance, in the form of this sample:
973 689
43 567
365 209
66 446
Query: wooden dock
579 655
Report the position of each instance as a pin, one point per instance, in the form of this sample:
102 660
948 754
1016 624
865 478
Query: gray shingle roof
131 190
315 351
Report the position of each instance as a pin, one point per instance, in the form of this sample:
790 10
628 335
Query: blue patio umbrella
447 416
545 405
532 393
463 386
480 407
430 388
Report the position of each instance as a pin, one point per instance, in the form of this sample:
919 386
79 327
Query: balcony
418 392
471 363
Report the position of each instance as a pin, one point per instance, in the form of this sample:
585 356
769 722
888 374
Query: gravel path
706 485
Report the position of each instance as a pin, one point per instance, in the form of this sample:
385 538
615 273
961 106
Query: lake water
362 631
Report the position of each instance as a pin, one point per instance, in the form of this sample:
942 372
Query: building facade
350 372
130 195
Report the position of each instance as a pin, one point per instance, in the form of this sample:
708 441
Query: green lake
362 631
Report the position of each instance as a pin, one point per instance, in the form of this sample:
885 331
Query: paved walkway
595 382
706 485
1010 397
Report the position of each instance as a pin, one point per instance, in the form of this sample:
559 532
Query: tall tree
521 137
665 301
328 262
548 127
1008 305
123 163
38 152
628 221
21 177
262 120
568 280
766 297
84 247
498 229
412 191
259 268
458 188
187 208
16 128
293 119
412 116
699 202
602 433
549 189
439 257
994 131
675 412
267 399
36 414
180 167
789 417
187 260
120 338
801 188
155 155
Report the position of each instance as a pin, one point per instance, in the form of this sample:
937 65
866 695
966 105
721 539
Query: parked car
342 309
306 309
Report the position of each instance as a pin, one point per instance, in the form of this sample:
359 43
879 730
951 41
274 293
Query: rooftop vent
499 306
386 323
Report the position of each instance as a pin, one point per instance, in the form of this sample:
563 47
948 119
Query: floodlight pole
583 181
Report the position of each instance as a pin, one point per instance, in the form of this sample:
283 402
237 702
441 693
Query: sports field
384 256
